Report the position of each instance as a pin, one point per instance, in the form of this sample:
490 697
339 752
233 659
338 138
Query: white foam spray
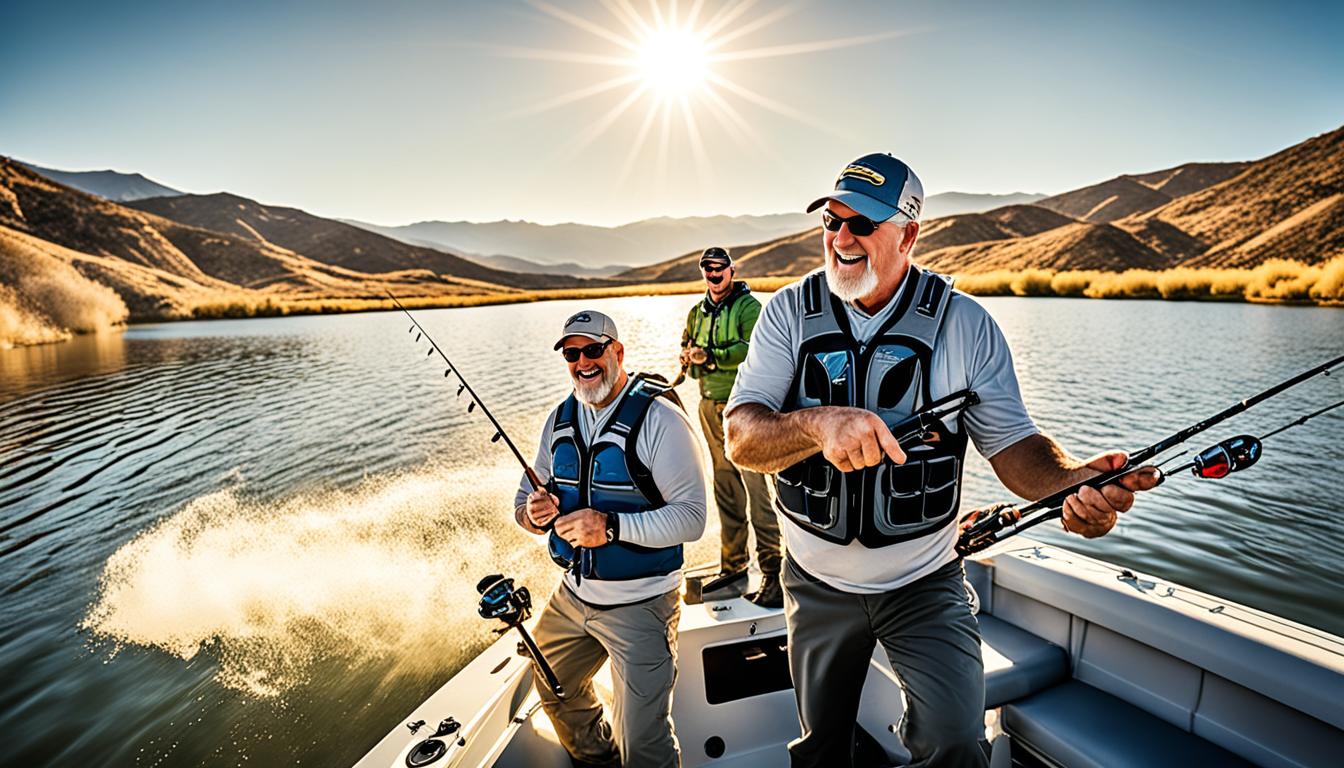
384 571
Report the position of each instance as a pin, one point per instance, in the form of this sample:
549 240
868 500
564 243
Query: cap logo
582 317
863 173
912 206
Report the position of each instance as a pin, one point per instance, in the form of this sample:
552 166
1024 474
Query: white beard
848 287
594 392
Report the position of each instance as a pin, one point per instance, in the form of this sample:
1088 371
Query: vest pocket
940 487
904 489
804 490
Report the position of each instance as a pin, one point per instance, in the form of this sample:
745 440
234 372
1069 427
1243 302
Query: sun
672 62
668 62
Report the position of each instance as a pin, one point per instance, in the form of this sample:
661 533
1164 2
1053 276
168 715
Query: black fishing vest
889 376
607 475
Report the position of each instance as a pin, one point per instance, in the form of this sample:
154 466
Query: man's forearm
1037 466
764 440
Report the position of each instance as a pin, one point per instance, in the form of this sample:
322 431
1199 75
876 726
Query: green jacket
723 331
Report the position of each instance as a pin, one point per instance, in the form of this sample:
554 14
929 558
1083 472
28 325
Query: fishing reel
1231 455
500 600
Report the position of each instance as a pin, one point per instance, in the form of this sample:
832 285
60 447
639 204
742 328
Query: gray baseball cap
590 323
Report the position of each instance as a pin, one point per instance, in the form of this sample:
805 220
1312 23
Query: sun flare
667 62
673 61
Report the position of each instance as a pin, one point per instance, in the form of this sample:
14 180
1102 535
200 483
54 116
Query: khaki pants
738 492
641 641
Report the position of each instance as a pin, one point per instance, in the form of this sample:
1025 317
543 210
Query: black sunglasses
591 351
859 225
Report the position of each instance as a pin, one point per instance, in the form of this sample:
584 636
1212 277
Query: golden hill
70 261
789 255
1124 196
1076 246
326 240
1286 206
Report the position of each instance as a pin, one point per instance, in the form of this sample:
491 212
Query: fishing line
453 370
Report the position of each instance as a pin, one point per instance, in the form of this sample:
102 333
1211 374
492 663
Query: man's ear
620 351
908 237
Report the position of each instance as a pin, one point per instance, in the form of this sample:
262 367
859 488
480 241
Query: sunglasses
859 225
713 267
591 351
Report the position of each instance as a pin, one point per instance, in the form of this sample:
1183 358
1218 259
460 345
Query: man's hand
541 508
1091 512
695 356
850 438
583 528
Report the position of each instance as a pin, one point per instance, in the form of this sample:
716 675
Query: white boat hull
1202 673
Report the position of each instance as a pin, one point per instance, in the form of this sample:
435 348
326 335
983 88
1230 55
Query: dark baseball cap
877 186
716 255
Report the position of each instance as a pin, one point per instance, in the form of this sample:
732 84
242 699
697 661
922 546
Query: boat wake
383 573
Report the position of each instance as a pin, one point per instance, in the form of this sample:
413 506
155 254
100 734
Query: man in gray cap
627 490
835 361
714 344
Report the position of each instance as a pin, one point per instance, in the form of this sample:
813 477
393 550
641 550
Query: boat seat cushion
1017 663
1075 724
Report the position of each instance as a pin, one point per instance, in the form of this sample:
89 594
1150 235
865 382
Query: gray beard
850 289
595 392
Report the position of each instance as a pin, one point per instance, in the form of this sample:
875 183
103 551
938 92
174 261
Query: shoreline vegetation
1276 281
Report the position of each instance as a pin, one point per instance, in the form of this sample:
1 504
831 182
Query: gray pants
933 642
641 641
738 492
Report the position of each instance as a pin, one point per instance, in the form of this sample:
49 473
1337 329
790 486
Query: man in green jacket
713 345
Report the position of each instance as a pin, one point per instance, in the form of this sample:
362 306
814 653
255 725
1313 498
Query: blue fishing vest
607 475
889 375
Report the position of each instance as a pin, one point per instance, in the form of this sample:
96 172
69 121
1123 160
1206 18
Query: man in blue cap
869 529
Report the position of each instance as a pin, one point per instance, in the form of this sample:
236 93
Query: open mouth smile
590 374
849 260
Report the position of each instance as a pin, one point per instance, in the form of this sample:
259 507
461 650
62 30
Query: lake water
256 541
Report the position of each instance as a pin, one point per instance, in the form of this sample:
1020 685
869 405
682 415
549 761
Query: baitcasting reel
500 600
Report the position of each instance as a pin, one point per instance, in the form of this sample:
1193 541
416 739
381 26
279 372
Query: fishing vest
889 375
607 475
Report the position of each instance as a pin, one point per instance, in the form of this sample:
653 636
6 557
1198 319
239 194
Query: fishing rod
1237 453
922 425
576 563
452 369
983 528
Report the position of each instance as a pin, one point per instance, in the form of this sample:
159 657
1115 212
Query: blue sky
394 113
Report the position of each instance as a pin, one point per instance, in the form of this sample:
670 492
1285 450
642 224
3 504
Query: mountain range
171 256
121 187
578 250
528 247
189 255
1288 205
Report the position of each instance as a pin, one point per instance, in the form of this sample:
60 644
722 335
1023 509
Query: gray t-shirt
666 445
970 353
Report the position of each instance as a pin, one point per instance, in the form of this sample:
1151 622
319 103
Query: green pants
739 494
933 642
641 641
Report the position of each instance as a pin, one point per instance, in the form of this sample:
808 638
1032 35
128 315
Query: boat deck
1086 664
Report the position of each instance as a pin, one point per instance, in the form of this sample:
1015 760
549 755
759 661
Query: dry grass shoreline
1274 282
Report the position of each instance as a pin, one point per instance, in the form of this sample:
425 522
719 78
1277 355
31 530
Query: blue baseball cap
877 186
